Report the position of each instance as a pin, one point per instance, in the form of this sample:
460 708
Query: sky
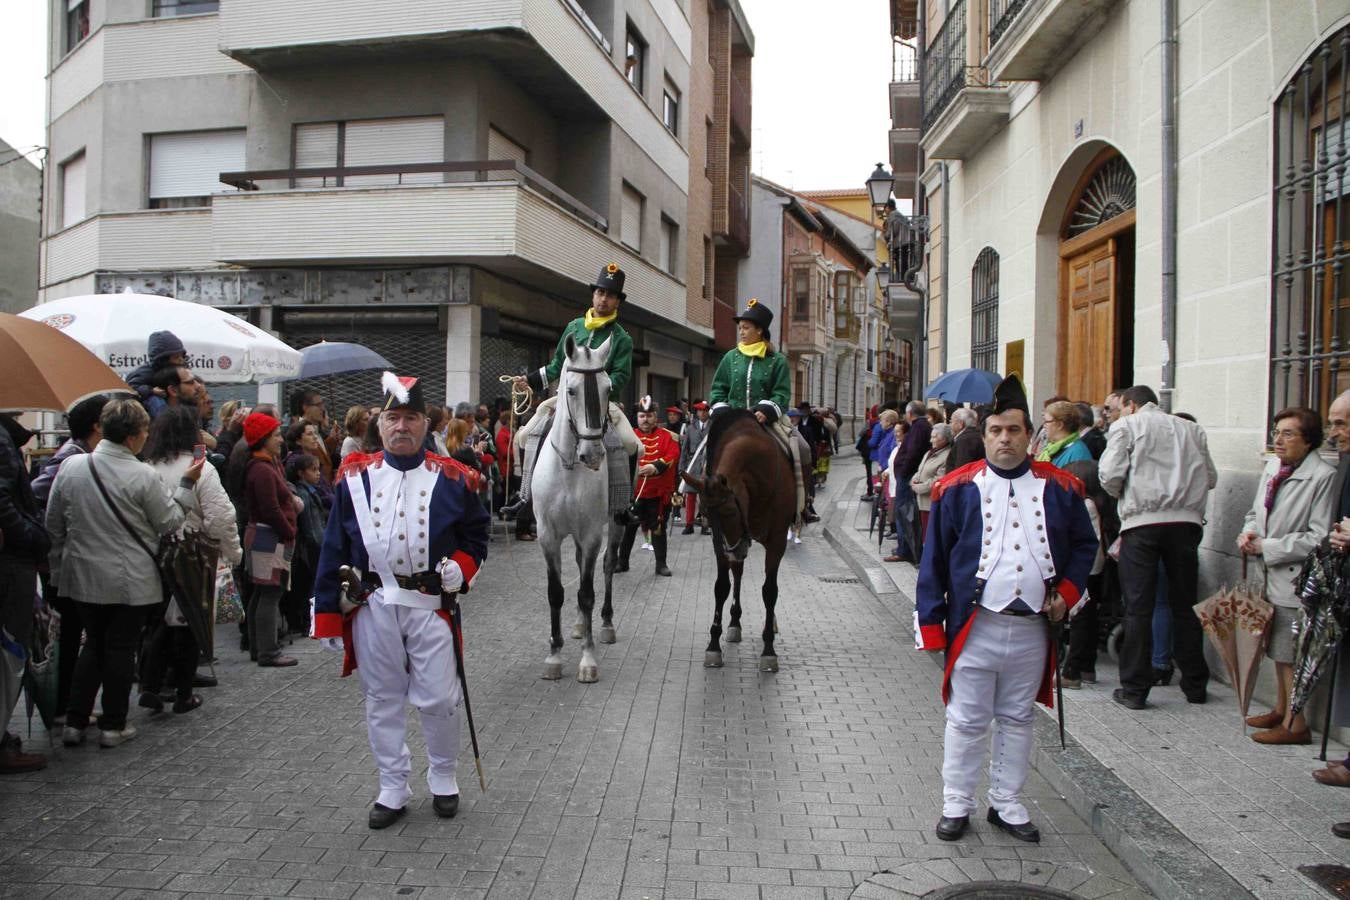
819 87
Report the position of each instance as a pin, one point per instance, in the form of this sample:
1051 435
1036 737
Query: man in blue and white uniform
1009 546
410 525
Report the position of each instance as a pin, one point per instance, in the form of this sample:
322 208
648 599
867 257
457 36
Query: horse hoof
768 664
588 674
734 634
712 660
578 631
552 671
608 635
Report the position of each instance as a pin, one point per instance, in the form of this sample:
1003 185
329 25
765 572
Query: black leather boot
626 547
659 545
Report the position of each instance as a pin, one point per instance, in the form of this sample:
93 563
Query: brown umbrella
1237 621
43 369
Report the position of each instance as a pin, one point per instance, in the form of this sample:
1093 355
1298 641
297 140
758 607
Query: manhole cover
1000 890
838 579
1334 878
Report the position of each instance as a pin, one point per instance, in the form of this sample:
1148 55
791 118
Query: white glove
452 576
334 643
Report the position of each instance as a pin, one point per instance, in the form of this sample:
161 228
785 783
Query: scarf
594 322
1050 451
756 350
1276 480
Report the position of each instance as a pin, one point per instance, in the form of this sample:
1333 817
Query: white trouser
406 654
995 679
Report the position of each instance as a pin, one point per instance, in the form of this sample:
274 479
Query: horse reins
591 392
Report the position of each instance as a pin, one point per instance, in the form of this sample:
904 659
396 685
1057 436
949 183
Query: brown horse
748 494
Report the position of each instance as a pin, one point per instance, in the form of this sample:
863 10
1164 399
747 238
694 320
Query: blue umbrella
964 386
334 358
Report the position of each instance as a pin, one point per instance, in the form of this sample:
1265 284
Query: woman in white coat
169 451
1290 516
933 467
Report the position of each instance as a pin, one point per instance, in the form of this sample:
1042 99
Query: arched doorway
1096 280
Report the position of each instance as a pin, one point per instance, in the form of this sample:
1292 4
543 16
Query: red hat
700 405
674 409
257 427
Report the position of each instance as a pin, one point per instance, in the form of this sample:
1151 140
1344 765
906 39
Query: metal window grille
984 311
1002 13
945 69
412 351
1310 299
169 8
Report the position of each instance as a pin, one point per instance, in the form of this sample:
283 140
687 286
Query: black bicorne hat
610 279
646 404
1009 395
756 313
401 392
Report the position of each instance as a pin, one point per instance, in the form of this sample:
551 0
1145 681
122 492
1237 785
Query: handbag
163 559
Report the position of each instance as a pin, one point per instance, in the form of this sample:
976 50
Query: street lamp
879 186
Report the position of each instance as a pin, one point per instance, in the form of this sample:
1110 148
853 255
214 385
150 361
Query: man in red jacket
655 484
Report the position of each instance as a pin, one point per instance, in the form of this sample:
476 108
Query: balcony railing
738 218
945 73
1002 13
740 108
399 174
904 62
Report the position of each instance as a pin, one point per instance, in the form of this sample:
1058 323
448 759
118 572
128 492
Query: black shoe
1070 678
382 816
1341 829
866 498
620 566
810 517
1197 697
663 571
151 701
1127 700
446 805
204 681
1024 832
950 828
1162 677
688 529
705 530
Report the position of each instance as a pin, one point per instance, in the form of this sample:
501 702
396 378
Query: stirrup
515 506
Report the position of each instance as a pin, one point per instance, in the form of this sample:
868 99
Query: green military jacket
619 366
744 382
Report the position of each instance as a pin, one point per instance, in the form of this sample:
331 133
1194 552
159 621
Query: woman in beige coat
1290 516
933 467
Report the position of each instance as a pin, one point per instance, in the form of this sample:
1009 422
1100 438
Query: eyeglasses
1286 433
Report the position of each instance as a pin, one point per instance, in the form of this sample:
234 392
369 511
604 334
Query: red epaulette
356 463
963 475
1060 477
455 470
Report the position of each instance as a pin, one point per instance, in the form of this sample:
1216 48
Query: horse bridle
743 545
591 398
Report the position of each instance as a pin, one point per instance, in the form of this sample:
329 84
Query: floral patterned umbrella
1237 621
1325 593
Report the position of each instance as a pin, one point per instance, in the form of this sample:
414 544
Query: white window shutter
502 147
384 142
316 148
72 191
630 219
189 163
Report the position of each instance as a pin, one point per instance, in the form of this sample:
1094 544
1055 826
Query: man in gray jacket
1158 466
1337 772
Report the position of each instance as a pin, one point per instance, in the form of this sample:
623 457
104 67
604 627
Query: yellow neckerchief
757 349
594 322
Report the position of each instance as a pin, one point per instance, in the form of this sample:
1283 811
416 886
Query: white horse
572 499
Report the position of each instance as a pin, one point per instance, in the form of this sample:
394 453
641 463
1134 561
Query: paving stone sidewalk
1254 810
665 781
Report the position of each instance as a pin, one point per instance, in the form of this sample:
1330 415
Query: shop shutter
500 356
630 219
72 191
502 147
189 163
412 351
382 142
316 146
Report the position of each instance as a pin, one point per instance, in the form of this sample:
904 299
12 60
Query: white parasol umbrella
221 348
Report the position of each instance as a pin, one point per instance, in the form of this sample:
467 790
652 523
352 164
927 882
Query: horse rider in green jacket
599 324
756 377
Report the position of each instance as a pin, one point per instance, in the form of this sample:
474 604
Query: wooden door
1089 324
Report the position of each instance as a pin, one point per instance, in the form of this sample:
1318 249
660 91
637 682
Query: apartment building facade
20 193
1072 150
819 281
438 180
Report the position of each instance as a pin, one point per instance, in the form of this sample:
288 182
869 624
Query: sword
351 593
1057 634
457 629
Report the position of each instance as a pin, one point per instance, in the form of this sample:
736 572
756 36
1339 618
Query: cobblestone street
665 780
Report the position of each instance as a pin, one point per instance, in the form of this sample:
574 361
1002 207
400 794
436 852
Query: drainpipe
1169 203
946 267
